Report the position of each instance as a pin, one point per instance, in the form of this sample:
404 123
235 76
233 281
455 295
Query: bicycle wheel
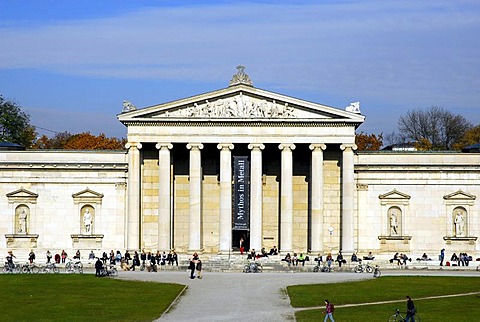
395 318
80 270
417 318
56 270
35 269
114 271
377 273
358 269
369 269
315 269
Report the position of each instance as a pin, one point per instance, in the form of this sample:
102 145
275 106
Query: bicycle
30 269
110 270
11 268
73 267
253 267
376 271
50 268
322 268
361 268
398 317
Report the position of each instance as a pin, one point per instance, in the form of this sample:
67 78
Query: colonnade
256 196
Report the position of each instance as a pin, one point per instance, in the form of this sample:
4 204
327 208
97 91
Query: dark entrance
237 236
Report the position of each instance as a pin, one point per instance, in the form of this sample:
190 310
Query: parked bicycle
252 267
30 269
14 268
320 267
398 317
72 267
50 268
361 268
110 270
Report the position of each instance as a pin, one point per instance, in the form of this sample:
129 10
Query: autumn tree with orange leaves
82 141
369 142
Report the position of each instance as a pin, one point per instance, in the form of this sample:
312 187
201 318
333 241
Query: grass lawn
66 297
389 288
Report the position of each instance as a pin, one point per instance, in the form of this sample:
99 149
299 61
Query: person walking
328 311
411 310
199 268
442 256
191 266
98 267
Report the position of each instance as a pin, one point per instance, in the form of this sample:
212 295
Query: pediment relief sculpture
239 106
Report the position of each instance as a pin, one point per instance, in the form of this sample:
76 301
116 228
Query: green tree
15 124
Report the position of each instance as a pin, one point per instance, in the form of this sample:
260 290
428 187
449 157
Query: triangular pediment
87 193
22 195
394 195
240 102
459 195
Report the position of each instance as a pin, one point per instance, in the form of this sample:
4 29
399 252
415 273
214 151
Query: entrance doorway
242 236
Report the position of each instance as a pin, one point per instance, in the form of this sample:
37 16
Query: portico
300 163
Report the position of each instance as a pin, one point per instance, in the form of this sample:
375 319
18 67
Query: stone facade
310 191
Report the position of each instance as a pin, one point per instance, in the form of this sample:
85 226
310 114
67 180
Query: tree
471 137
15 124
434 128
57 142
87 141
368 141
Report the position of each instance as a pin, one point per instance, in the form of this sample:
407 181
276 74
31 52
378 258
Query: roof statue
240 77
354 108
128 107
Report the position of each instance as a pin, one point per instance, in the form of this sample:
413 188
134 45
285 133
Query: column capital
137 145
225 146
194 146
164 146
256 146
316 146
286 146
345 146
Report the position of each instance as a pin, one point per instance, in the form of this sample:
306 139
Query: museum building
240 163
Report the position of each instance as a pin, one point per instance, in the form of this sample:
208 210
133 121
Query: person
442 256
455 258
143 256
369 257
396 257
64 256
118 257
288 259
98 267
164 258
318 259
393 224
175 258
328 311
264 252
153 263
459 224
104 258
410 310
77 255
354 257
241 247
136 261
191 266
127 257
301 259
329 260
199 268
340 259
87 221
295 259
31 256
49 256
22 222
274 251
10 258
91 255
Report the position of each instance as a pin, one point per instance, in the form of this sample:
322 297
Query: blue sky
70 64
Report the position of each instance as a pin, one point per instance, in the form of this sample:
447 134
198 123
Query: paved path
251 297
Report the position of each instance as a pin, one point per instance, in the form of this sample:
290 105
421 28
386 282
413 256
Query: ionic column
164 193
133 191
286 198
194 241
256 195
225 196
348 201
317 198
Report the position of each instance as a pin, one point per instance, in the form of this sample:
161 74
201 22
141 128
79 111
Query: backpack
332 307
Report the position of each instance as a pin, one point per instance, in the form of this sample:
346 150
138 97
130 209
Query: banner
241 193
